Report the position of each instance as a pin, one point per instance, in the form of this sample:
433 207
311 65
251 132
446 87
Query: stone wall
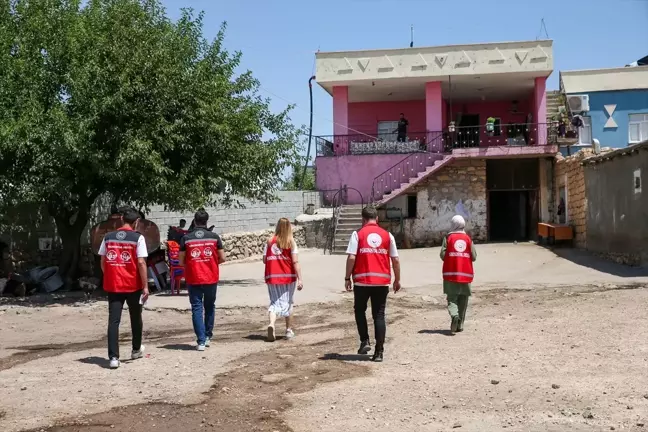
316 228
250 244
569 173
459 188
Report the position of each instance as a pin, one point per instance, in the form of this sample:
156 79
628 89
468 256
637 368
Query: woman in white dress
283 275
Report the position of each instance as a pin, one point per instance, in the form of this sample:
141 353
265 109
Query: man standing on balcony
368 259
402 128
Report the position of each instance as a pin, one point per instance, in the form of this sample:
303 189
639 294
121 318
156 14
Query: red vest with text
457 263
372 263
279 267
120 265
201 257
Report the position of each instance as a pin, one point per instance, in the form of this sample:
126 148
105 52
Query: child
282 274
458 254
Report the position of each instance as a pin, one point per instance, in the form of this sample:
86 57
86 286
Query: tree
295 181
111 97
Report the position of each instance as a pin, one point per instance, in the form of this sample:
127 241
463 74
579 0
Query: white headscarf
458 223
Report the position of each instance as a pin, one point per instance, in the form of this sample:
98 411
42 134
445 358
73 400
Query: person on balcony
402 128
458 254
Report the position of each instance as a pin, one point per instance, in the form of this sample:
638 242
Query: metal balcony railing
500 135
362 144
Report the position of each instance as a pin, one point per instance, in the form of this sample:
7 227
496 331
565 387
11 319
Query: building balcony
462 137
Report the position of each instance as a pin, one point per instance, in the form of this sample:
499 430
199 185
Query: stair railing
409 167
336 203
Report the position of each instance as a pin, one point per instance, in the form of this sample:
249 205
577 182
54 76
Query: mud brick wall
459 188
569 173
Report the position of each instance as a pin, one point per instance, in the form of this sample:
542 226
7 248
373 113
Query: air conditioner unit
578 103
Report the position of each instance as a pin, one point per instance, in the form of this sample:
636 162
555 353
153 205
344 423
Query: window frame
639 124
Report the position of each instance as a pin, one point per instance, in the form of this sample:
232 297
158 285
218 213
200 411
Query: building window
638 128
637 181
411 206
585 132
386 130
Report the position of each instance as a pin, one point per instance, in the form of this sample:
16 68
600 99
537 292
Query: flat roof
609 79
608 156
452 47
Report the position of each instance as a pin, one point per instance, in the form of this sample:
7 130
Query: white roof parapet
426 63
593 80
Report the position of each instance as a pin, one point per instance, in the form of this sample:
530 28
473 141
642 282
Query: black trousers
115 306
402 137
378 297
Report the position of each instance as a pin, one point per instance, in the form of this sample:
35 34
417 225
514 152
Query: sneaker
365 347
271 334
138 354
290 334
114 363
460 326
454 324
207 342
378 356
201 347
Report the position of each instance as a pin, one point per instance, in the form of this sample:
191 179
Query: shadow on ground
587 259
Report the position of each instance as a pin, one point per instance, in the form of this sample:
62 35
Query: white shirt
352 249
142 252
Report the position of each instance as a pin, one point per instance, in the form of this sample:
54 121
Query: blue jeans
203 297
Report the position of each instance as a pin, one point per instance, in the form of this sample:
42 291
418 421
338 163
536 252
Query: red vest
457 263
201 258
372 263
279 267
120 265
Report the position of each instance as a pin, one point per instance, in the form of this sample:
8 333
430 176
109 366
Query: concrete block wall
253 217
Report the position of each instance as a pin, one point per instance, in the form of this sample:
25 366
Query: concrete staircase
553 105
413 181
349 220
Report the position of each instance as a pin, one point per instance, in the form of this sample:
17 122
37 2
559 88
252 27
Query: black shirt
402 126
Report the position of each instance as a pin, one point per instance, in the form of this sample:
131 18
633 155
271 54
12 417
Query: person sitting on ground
458 253
282 275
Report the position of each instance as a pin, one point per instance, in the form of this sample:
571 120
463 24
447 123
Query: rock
587 414
555 386
495 382
23 388
630 407
456 425
640 424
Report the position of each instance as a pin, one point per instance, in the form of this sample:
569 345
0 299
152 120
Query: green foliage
295 181
111 97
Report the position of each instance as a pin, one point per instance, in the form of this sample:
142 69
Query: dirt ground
557 357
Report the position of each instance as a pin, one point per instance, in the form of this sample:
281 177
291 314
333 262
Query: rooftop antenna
412 36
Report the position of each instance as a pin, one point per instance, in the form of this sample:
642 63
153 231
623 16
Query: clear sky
278 38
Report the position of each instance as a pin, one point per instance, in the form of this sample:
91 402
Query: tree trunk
71 241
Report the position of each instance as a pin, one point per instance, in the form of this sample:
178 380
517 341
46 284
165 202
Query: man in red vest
458 254
123 262
370 255
201 251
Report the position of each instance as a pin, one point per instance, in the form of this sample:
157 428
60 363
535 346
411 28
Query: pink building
477 140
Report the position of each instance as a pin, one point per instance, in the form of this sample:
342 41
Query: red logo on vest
201 263
120 267
279 267
372 265
457 263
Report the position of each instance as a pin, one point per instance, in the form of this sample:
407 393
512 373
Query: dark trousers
402 137
378 297
115 306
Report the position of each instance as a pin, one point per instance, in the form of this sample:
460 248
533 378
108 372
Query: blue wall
627 102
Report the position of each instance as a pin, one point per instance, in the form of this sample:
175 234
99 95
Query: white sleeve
352 249
393 252
142 252
293 248
265 249
102 248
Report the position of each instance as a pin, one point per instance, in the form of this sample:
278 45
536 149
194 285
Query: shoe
454 324
271 334
207 342
114 363
201 347
378 356
365 347
460 326
290 334
137 354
